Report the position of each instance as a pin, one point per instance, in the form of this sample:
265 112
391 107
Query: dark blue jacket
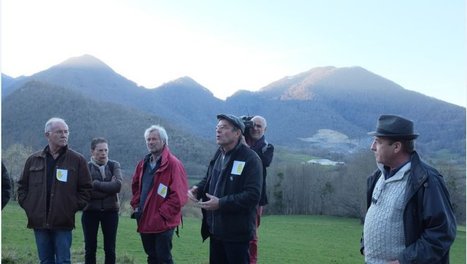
238 196
429 222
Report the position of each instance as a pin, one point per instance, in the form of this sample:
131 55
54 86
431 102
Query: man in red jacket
159 190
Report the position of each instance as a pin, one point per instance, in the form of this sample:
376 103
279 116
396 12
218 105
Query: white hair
51 121
160 130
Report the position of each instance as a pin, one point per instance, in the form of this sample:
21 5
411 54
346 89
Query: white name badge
162 190
62 175
237 167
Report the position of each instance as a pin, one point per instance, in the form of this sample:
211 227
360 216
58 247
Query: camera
248 124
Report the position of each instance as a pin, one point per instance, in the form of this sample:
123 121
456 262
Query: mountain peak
84 61
185 83
303 85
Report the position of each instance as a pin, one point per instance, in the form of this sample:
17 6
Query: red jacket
160 214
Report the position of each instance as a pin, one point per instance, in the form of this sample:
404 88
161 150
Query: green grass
283 239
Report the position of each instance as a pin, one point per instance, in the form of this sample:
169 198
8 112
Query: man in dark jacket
159 188
409 217
257 141
229 194
54 185
6 186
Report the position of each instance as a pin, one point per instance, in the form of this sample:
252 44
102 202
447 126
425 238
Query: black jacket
6 186
429 222
238 196
265 152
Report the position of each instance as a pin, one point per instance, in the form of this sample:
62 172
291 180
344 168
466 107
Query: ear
397 146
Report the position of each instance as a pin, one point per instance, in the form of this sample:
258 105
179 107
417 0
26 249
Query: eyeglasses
60 132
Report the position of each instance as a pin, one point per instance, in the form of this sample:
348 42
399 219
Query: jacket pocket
36 175
35 188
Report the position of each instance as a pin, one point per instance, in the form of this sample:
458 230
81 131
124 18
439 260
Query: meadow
283 239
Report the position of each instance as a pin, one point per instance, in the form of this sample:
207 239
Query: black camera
248 124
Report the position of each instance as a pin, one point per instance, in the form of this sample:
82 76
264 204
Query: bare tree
14 158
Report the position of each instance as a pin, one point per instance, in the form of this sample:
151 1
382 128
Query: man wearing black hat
229 194
409 217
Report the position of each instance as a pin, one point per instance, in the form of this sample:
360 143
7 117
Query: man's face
57 136
154 142
225 134
258 129
384 150
100 153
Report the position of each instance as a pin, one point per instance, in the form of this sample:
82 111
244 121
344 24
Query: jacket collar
419 173
259 143
46 150
164 158
232 151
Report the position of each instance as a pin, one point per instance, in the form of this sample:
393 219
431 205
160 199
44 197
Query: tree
14 158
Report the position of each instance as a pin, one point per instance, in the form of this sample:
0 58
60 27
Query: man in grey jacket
55 183
409 217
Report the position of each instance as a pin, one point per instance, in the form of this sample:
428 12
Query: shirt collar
388 173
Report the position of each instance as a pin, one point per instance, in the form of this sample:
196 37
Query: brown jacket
67 196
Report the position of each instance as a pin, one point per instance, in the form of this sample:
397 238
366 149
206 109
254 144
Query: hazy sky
243 44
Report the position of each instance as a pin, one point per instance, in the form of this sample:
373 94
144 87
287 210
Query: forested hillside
324 113
27 109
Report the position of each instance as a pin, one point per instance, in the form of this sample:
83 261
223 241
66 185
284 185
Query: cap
235 121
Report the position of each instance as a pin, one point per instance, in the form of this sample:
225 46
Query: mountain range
323 110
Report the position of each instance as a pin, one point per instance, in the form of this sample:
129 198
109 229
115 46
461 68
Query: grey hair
160 130
51 121
261 118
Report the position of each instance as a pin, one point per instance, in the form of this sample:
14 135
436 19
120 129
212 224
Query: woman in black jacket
104 205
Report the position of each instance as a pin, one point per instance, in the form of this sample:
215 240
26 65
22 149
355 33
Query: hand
193 193
136 213
211 204
95 184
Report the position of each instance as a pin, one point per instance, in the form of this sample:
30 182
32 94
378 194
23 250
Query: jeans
109 223
158 247
224 252
53 246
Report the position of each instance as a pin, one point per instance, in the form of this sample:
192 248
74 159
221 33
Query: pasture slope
283 239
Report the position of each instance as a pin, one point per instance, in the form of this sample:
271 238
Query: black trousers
158 247
109 224
224 252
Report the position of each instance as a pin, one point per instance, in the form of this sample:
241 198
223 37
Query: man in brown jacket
55 183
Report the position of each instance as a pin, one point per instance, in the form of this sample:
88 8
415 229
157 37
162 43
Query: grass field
283 239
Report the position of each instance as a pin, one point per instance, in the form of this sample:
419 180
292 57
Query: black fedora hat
395 127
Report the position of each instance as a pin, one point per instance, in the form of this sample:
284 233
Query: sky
228 46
